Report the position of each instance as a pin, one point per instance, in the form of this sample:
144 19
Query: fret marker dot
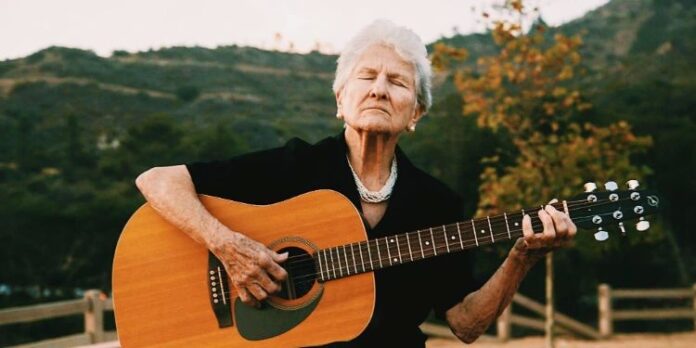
395 259
391 240
517 223
427 243
483 231
452 237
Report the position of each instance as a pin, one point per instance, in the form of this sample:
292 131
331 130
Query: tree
526 91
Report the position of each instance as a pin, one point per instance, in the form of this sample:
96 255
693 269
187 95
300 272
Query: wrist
213 236
526 256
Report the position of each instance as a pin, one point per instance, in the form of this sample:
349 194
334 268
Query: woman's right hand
253 269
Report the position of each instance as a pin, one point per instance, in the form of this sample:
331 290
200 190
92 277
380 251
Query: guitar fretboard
374 254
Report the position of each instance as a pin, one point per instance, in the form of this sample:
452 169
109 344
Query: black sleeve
261 177
455 277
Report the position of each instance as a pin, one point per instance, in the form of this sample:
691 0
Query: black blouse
406 293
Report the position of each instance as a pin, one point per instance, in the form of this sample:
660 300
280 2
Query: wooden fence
564 324
608 314
91 306
94 303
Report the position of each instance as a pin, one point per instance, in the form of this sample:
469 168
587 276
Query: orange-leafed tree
527 91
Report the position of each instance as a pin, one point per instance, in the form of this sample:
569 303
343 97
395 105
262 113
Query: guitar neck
374 254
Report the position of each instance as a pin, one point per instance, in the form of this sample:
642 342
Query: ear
338 98
418 112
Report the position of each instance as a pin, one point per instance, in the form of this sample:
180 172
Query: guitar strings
312 277
484 238
574 204
497 221
308 261
468 243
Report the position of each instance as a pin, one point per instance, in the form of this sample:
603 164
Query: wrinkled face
380 93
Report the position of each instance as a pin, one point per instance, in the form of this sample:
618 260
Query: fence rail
564 323
608 314
91 306
94 303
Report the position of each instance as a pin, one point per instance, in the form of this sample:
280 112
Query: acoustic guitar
170 291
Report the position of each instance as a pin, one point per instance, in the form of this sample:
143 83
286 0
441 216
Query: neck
374 254
371 155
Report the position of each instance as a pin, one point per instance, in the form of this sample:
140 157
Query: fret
444 233
386 241
338 258
421 244
461 241
507 226
345 255
433 239
332 263
362 261
473 230
490 228
398 249
408 242
352 253
379 255
321 269
369 254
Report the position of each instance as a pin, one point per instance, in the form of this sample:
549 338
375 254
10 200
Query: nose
379 88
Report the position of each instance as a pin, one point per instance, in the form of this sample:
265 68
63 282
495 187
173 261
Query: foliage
525 90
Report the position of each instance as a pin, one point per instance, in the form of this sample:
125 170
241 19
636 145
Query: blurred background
531 100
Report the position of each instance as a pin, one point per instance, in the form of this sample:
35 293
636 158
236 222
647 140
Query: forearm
170 191
470 318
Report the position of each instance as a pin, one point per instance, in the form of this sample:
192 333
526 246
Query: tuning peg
632 184
642 224
590 187
601 235
622 229
611 186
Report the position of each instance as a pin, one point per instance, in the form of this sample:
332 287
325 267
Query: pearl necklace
375 196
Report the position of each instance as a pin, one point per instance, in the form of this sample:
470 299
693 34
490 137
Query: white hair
405 43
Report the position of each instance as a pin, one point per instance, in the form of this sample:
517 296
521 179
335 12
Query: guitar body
162 281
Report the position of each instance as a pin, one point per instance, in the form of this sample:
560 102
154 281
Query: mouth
377 108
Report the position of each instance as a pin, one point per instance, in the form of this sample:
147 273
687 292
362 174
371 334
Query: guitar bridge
219 291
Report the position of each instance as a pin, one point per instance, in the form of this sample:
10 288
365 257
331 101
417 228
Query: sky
103 26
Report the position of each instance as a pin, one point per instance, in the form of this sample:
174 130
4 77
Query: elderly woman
382 90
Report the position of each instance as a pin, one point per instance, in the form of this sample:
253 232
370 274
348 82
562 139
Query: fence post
94 316
503 324
694 304
550 323
605 321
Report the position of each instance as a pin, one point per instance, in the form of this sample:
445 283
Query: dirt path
678 340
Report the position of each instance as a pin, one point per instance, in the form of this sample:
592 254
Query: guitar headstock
598 209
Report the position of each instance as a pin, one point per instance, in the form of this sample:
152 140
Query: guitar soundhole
302 273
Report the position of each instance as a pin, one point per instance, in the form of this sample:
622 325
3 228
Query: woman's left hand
559 231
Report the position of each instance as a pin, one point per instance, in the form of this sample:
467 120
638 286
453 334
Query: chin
373 128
